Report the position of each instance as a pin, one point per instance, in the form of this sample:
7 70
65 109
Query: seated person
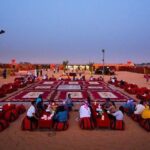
98 110
61 114
107 104
119 114
130 106
39 103
112 107
113 79
146 112
68 102
139 108
51 107
122 83
31 114
84 110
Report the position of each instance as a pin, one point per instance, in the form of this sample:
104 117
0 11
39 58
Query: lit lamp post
103 60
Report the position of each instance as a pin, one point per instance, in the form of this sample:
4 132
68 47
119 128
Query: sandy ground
133 138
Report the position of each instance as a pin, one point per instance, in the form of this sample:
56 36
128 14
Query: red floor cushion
2 93
1 114
7 107
136 117
118 125
3 124
61 126
20 109
27 124
145 123
86 123
11 115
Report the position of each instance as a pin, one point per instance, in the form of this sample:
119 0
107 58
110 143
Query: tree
65 63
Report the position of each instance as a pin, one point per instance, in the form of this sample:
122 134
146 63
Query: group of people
140 108
59 113
109 107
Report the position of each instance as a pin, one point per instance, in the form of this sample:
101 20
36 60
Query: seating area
141 93
46 121
86 123
57 90
19 82
9 113
44 124
99 122
96 121
144 123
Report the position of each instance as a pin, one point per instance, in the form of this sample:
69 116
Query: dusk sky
50 31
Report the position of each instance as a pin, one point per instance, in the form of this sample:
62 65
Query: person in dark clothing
107 104
61 114
68 102
39 103
4 73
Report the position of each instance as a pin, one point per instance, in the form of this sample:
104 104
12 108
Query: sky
51 31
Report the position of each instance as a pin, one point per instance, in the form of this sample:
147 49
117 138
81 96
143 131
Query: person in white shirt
85 110
139 108
119 114
31 114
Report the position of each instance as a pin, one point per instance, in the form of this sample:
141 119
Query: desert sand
132 138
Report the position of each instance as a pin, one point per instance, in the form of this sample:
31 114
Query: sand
133 138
